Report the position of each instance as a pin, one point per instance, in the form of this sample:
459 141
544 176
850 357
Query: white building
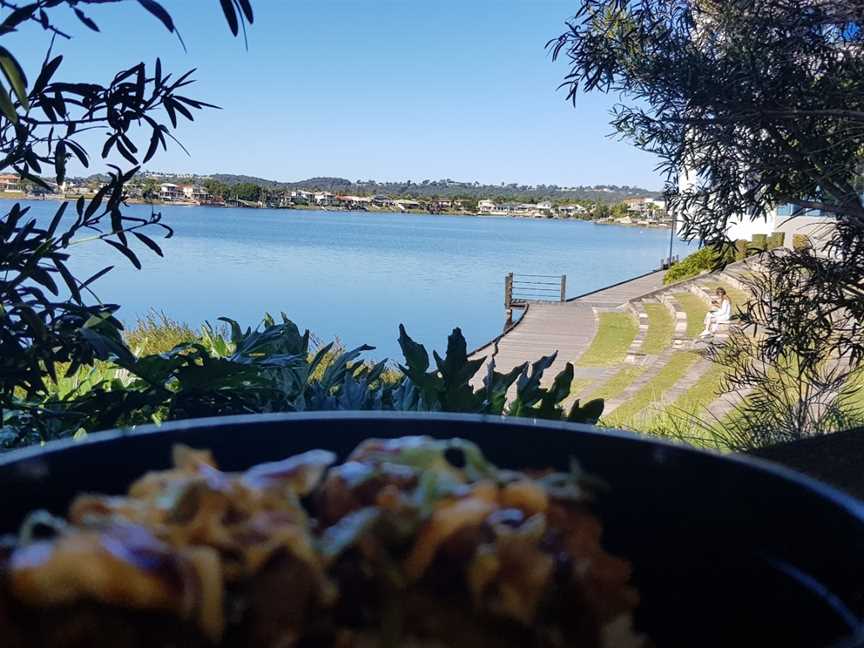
195 193
10 183
407 204
169 191
485 206
382 201
324 199
354 201
813 224
571 210
646 207
302 197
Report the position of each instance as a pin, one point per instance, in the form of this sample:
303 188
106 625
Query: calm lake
356 276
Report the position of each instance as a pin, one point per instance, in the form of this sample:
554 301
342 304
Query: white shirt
723 313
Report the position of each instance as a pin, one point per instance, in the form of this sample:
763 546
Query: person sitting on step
721 313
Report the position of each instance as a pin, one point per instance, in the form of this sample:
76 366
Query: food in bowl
410 542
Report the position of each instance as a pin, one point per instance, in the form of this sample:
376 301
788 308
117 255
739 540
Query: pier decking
567 327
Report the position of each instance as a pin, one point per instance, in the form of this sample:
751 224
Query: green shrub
742 249
801 242
157 333
704 260
776 240
273 368
760 242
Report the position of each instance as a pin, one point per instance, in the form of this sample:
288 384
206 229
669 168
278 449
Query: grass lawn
695 309
618 383
633 412
702 393
661 328
615 333
579 384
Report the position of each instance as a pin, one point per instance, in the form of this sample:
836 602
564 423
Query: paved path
566 327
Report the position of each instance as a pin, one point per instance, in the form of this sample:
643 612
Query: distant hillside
448 188
443 189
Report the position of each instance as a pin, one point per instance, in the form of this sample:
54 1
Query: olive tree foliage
49 317
748 104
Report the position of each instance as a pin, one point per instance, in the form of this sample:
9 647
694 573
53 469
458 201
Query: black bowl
727 551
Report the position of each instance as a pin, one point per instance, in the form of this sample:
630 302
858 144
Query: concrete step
680 340
634 351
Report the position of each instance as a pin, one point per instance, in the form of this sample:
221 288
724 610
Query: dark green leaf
125 251
79 152
59 104
247 10
183 110
150 243
590 412
154 144
96 276
415 354
6 106
109 143
96 202
159 11
528 386
121 148
172 115
69 280
84 19
496 386
117 225
43 277
18 16
230 16
15 75
55 222
60 161
36 326
106 346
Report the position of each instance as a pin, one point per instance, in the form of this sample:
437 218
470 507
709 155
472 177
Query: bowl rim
845 501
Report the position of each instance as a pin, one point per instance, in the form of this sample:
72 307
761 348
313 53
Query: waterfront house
647 207
485 206
169 192
195 193
282 199
40 191
10 183
406 203
71 189
324 199
382 201
354 202
571 211
300 197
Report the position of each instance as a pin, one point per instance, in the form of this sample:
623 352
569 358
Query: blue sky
367 89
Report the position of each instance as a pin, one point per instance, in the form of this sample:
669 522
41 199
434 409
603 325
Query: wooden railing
526 288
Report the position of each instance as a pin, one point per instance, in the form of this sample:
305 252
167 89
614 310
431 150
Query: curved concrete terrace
567 327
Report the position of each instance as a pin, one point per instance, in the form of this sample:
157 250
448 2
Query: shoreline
316 208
